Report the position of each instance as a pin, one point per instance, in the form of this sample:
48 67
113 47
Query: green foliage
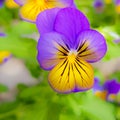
41 103
112 48
3 88
21 47
7 107
98 109
116 75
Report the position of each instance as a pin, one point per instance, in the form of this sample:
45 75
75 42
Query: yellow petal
32 8
30 11
101 94
4 55
108 1
69 76
118 9
11 4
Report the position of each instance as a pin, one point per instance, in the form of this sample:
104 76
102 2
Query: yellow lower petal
69 77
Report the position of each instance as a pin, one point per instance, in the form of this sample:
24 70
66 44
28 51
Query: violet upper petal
70 22
91 45
45 20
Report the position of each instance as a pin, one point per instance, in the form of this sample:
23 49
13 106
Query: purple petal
70 22
47 50
20 2
98 3
1 3
45 20
117 2
92 45
2 35
74 5
7 58
112 86
97 86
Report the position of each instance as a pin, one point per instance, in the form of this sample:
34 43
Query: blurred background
24 90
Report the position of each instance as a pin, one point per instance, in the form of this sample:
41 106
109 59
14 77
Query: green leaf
9 117
35 111
112 48
3 88
8 107
98 109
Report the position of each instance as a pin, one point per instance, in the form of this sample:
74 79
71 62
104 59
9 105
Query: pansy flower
66 47
109 91
117 6
1 3
31 8
11 4
98 5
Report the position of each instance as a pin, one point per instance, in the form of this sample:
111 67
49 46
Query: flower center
72 55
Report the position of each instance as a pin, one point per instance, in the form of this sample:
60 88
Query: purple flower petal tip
1 3
2 35
70 22
112 86
98 3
